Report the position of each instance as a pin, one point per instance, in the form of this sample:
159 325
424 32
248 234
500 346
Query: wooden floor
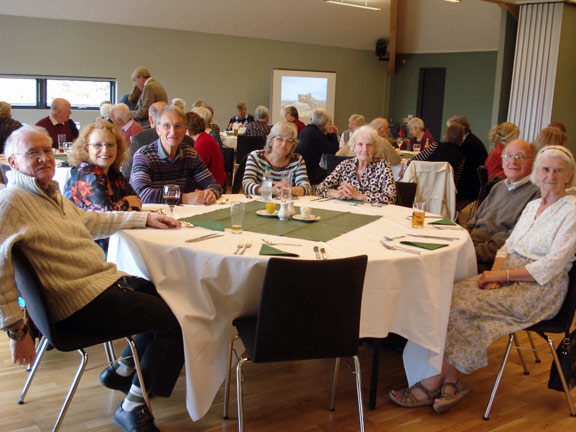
289 397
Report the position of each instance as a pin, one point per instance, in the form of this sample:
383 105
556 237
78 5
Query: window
38 92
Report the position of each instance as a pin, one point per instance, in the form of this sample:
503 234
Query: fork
323 252
269 243
317 252
399 248
247 245
239 246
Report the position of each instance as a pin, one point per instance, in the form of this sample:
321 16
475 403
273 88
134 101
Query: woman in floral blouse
96 182
364 177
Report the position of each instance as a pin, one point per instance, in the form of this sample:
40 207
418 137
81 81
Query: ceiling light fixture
343 3
453 1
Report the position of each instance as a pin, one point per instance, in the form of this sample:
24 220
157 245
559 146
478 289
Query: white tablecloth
229 140
207 287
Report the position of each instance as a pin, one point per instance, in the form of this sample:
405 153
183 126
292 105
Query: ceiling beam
393 33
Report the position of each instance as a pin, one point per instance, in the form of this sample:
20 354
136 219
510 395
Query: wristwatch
18 335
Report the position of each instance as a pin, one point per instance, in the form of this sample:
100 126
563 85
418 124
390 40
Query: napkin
445 221
269 250
351 201
213 225
428 246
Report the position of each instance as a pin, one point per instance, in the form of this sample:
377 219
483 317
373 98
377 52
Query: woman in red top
499 136
419 133
206 147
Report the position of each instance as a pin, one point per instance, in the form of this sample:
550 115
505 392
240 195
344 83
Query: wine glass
171 196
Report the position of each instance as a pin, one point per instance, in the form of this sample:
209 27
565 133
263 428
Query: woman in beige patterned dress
527 284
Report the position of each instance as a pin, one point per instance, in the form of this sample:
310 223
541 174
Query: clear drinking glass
237 217
418 214
171 196
61 142
285 187
416 147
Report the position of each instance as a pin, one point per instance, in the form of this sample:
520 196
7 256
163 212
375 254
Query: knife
204 237
317 252
323 252
433 237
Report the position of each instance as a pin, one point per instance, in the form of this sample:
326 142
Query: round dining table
207 286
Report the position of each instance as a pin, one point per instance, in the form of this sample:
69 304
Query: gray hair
5 109
261 112
372 135
57 104
319 117
416 123
120 111
16 137
180 103
358 119
203 112
199 103
558 152
172 109
154 112
462 120
105 109
284 129
140 72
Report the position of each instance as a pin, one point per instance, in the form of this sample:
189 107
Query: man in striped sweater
168 160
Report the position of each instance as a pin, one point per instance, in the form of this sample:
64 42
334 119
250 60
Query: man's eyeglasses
35 154
286 140
99 146
177 126
517 157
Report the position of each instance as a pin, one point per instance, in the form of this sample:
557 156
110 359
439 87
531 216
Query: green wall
222 70
469 90
564 105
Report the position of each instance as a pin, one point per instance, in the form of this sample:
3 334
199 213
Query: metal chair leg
374 374
72 390
561 375
239 394
498 377
228 375
359 391
39 354
334 383
139 372
110 352
519 351
534 350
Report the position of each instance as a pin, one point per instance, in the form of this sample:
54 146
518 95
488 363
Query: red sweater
208 150
54 131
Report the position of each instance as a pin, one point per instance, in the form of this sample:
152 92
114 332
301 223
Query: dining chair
32 291
313 314
405 194
561 323
332 161
238 176
247 144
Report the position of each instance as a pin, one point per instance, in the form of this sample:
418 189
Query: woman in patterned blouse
279 155
364 177
96 182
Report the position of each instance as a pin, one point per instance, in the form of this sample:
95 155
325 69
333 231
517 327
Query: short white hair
372 135
121 111
557 152
319 117
13 142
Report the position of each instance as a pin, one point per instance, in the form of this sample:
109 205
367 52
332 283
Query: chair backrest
247 144
482 172
435 186
239 176
405 193
228 155
332 161
310 309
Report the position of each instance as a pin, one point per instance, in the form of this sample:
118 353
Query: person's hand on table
199 197
346 192
160 221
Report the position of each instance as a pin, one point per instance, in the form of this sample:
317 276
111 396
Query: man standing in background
152 92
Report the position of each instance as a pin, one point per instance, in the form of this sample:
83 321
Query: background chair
247 144
561 323
435 186
239 176
332 161
32 292
312 315
405 193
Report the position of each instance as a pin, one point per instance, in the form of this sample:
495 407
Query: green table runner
331 223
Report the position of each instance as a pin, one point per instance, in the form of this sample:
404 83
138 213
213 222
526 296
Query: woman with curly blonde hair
499 136
96 182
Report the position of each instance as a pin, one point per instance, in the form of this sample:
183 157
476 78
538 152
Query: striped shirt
256 165
152 169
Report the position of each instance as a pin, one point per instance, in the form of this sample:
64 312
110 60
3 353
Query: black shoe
109 378
138 420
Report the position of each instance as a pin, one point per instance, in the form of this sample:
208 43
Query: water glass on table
171 196
237 217
61 143
418 214
416 147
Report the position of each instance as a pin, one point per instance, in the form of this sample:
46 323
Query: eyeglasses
177 126
35 154
279 139
98 146
518 157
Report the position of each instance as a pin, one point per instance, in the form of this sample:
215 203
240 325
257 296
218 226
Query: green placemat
331 224
61 156
428 246
269 250
210 224
445 221
351 201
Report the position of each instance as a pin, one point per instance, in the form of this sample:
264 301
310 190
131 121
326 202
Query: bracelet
507 275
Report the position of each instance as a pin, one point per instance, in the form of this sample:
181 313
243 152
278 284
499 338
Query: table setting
210 275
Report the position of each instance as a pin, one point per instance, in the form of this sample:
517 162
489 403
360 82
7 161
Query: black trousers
132 306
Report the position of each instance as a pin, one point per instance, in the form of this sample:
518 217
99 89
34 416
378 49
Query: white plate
263 213
311 218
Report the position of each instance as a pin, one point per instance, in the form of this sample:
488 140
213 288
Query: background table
207 287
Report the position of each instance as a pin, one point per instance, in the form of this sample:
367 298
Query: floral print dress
545 246
88 189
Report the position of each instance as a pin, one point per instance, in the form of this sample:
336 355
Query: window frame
42 90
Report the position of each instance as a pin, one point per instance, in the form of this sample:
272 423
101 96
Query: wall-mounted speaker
382 50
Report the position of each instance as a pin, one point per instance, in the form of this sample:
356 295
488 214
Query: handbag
566 352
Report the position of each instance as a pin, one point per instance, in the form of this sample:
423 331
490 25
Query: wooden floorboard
290 397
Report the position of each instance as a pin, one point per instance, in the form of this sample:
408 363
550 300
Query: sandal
448 400
407 400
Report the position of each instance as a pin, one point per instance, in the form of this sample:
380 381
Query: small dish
309 219
263 213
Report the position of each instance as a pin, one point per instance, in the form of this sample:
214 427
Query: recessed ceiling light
356 5
453 1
